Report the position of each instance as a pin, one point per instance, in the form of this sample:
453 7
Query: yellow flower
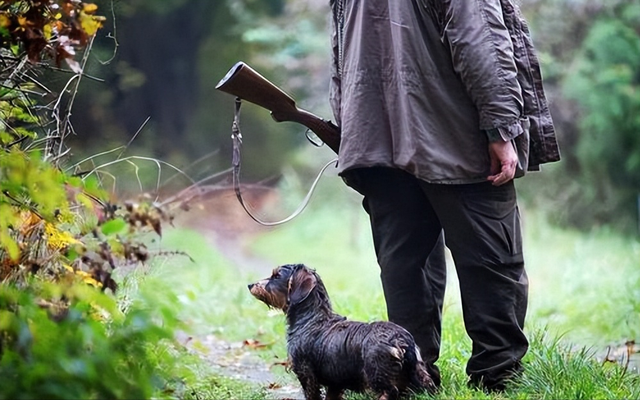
5 22
89 8
58 239
90 23
88 279
23 21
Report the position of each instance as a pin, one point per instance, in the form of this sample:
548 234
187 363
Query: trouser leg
405 231
482 228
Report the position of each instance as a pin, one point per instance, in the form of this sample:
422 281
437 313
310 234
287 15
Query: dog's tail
419 377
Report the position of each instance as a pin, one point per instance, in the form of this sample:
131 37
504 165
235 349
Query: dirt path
237 361
222 220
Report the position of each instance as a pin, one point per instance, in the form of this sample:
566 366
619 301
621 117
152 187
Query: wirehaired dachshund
327 350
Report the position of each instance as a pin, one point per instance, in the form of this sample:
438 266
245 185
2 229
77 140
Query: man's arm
482 54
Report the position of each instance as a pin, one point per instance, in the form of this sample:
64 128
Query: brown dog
325 349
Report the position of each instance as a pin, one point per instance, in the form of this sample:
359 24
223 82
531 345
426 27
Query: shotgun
244 82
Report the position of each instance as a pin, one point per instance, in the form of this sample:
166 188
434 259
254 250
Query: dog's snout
251 285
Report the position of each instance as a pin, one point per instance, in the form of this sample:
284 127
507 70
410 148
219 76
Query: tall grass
584 295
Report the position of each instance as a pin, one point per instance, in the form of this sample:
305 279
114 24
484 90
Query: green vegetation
67 328
88 350
589 53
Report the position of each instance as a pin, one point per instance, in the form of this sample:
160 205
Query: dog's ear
301 284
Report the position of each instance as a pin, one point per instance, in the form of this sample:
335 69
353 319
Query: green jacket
417 84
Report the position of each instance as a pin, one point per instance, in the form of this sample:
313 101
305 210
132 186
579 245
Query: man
441 105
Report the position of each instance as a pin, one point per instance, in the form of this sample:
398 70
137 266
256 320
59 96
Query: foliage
54 225
606 86
27 180
65 329
54 27
590 52
55 222
88 350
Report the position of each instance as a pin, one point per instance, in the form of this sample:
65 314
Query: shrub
88 349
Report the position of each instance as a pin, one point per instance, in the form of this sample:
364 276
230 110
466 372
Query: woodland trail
228 228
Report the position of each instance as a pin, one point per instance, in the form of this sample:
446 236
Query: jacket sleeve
483 56
335 92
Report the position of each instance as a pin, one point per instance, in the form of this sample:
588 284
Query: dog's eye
276 275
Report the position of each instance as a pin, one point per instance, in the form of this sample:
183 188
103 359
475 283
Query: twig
37 83
191 187
193 164
56 115
63 125
156 161
136 169
22 90
18 141
85 58
66 71
110 175
133 137
17 69
59 156
114 37
92 157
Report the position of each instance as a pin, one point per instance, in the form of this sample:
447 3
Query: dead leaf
255 344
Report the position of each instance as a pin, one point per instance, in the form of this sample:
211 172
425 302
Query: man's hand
503 162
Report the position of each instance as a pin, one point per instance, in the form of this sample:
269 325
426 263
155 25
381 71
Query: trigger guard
313 138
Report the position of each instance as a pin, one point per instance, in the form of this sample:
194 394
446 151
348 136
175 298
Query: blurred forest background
157 64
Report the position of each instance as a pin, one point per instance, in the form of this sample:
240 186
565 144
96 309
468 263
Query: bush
67 329
86 350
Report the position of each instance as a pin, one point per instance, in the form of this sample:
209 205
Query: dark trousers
481 225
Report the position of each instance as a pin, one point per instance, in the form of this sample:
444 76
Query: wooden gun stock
244 82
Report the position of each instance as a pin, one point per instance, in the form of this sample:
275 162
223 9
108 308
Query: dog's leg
311 389
382 370
334 393
381 385
391 394
307 379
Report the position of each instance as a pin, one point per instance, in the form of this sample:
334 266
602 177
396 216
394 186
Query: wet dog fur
327 350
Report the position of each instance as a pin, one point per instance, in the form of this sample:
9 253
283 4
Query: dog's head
288 285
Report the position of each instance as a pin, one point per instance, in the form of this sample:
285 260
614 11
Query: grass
555 371
585 294
584 285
